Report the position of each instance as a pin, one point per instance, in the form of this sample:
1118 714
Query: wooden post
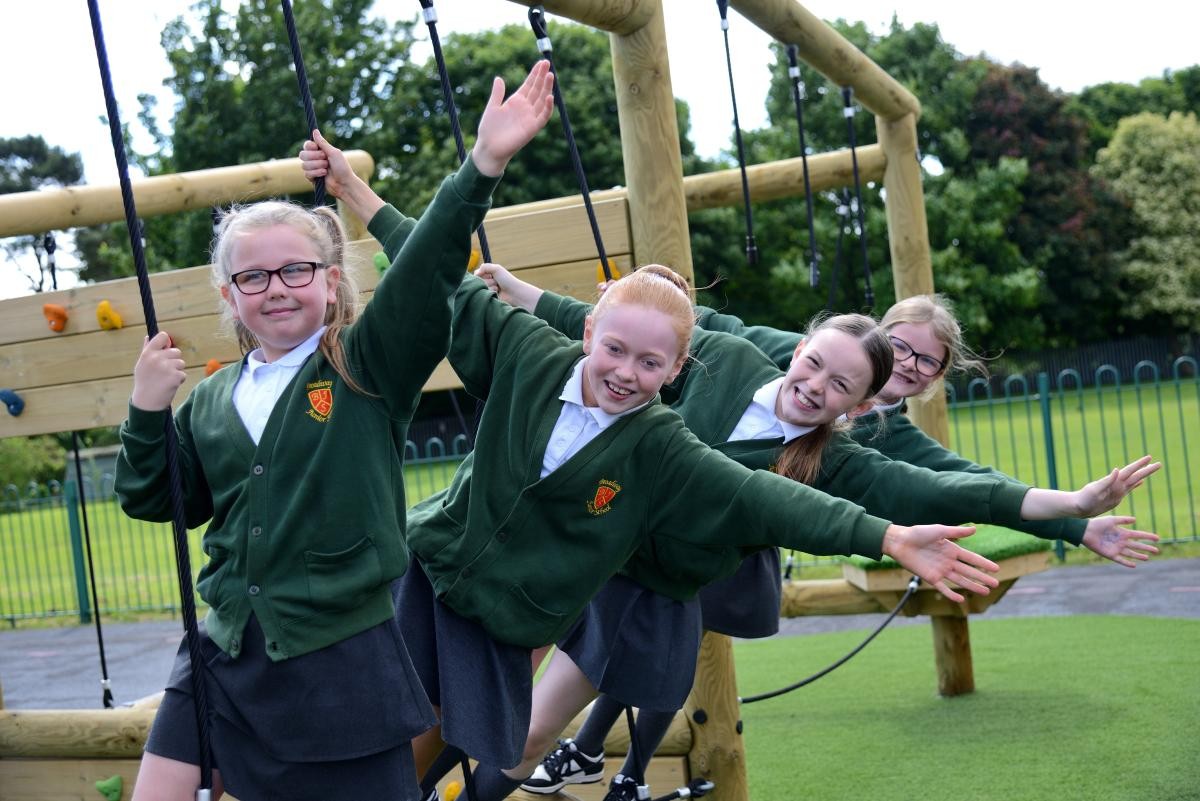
718 751
952 653
650 143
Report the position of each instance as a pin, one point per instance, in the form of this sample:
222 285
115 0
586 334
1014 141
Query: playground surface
59 668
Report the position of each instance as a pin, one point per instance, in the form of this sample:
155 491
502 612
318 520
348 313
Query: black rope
179 519
913 583
848 112
49 245
798 94
751 246
537 21
843 213
107 696
305 93
431 19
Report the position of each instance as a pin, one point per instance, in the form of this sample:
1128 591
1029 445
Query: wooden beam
650 144
79 206
828 52
827 597
81 734
952 654
615 16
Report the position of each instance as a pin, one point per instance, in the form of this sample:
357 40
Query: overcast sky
51 84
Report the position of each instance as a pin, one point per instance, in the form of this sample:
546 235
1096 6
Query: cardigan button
256 531
502 536
254 589
258 470
466 572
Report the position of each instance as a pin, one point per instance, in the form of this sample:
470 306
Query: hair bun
667 274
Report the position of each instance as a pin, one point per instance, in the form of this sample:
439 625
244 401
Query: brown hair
800 459
656 287
324 229
938 313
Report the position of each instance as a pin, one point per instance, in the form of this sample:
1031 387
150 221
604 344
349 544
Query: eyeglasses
926 365
295 275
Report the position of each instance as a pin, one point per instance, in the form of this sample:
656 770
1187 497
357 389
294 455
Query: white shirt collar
766 397
293 358
573 393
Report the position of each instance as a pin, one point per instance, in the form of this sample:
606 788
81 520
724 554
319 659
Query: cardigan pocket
340 580
520 617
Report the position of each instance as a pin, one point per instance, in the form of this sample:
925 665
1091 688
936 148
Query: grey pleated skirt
746 604
484 687
637 646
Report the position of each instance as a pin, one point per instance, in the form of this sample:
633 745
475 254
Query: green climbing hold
110 788
381 262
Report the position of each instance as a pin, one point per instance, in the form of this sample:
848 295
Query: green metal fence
1056 431
43 544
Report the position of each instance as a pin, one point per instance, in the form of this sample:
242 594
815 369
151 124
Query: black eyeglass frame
909 351
279 271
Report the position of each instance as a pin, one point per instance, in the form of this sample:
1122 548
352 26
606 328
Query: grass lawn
1082 708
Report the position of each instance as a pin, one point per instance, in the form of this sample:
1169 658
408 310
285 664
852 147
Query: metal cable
798 95
848 113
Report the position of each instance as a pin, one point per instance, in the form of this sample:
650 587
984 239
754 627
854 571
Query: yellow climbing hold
107 316
612 268
453 790
475 260
110 788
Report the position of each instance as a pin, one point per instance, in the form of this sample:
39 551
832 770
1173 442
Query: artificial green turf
1088 708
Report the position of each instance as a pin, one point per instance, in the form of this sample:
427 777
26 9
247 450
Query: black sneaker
562 766
622 788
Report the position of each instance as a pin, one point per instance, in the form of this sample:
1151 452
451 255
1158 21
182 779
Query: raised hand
1098 496
508 287
1106 537
158 374
929 552
508 125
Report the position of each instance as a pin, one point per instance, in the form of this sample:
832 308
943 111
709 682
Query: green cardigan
306 528
894 436
522 555
712 397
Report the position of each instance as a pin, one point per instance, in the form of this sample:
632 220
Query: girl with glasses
312 688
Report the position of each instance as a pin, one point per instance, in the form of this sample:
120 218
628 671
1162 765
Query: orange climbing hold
55 315
453 790
107 316
211 366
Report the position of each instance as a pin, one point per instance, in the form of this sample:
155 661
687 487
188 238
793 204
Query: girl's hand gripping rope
158 374
508 287
929 552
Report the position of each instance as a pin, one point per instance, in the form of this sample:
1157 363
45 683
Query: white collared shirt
261 383
759 420
577 424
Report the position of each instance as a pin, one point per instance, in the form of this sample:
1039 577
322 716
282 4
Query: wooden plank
676 742
101 733
827 597
529 239
63 779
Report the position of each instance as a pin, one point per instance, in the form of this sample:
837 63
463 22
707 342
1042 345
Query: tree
1106 104
28 163
1155 163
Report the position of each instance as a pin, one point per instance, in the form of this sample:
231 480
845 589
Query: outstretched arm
1094 498
929 552
1106 537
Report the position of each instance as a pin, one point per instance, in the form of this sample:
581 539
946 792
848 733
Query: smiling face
281 317
632 351
906 381
830 375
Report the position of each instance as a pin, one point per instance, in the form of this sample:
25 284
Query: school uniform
302 652
520 555
895 435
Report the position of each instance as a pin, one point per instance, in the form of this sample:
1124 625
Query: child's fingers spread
945 590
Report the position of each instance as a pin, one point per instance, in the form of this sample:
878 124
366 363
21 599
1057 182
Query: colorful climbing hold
111 788
107 316
14 402
612 268
475 260
381 262
56 315
453 790
211 366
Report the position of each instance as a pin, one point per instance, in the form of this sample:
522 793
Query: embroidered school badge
320 400
607 490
